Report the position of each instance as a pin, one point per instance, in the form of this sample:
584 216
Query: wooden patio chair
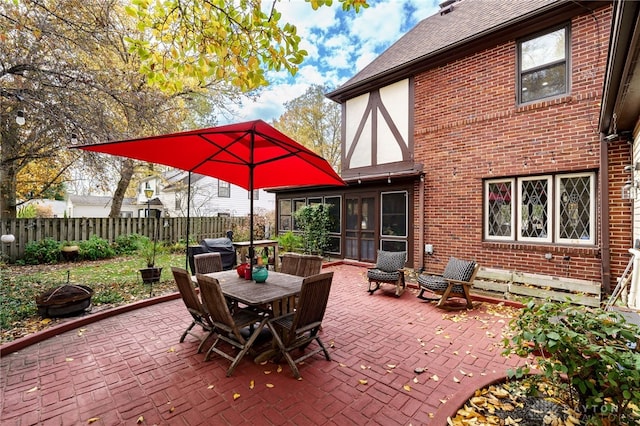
389 269
298 329
207 263
290 263
194 306
455 281
228 325
308 265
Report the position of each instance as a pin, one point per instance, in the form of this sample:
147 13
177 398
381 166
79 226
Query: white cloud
339 44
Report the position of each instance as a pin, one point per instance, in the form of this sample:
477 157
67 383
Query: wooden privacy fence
169 229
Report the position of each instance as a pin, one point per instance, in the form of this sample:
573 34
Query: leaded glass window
576 209
535 208
499 209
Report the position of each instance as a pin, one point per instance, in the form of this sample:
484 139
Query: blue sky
339 45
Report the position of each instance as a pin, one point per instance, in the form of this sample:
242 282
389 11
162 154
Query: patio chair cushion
390 261
456 269
380 275
459 270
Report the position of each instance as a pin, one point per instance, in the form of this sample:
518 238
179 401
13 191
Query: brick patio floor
130 365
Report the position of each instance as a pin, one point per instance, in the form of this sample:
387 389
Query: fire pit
68 299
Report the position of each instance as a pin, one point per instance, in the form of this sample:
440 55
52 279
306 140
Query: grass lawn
114 281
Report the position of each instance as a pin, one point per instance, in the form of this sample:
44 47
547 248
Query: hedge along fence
169 229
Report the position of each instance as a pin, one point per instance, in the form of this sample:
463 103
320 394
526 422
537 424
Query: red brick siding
468 127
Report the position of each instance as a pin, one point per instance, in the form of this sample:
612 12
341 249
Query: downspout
421 221
605 249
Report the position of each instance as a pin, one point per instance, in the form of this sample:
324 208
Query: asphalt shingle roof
468 20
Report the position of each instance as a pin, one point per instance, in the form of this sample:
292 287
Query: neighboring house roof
180 179
94 200
434 39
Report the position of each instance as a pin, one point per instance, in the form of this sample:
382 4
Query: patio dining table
278 292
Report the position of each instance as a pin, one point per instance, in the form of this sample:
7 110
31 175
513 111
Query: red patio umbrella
252 155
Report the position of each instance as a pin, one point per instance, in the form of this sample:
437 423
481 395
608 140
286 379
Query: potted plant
69 251
151 273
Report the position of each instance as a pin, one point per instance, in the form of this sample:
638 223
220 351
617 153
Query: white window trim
512 235
550 203
592 211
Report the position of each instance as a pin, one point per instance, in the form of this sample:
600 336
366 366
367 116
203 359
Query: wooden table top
277 287
256 243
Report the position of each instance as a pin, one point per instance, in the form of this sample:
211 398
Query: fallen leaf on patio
407 388
267 371
172 409
93 420
236 396
279 369
463 373
33 389
439 331
435 378
342 365
455 379
68 359
252 384
431 415
331 344
269 385
210 387
363 367
140 419
455 352
45 321
171 349
470 374
391 365
446 336
362 381
415 380
443 401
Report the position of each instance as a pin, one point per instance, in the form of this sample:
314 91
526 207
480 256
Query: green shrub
127 244
96 248
39 252
315 222
595 349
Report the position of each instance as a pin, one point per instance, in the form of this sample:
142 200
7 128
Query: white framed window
556 209
535 200
576 213
499 212
224 189
543 65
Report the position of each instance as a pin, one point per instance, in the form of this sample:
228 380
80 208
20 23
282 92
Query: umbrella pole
186 260
251 167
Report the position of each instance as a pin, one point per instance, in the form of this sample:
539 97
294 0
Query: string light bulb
20 118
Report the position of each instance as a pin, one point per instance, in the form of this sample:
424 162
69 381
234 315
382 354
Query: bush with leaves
596 350
314 222
127 244
96 248
44 251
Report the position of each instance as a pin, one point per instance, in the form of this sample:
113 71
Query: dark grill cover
223 245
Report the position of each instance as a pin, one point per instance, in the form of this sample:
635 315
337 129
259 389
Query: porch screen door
360 232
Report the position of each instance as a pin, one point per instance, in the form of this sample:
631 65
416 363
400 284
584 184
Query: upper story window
544 209
543 65
224 189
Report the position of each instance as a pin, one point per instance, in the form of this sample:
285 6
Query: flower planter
150 275
70 253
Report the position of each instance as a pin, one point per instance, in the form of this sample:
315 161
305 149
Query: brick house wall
469 127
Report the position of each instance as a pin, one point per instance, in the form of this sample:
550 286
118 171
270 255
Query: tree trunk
126 173
8 173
